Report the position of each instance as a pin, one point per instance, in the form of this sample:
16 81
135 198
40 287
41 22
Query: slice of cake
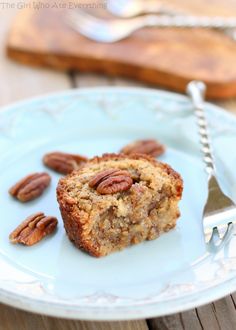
114 201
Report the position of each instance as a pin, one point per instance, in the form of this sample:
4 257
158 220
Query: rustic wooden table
19 82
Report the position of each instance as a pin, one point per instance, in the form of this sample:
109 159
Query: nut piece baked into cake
114 201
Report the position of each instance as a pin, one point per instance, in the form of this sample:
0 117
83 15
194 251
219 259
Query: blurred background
100 42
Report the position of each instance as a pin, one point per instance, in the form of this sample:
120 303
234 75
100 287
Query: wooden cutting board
168 58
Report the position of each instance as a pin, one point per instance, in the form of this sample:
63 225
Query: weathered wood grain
181 321
166 57
219 315
233 297
225 313
13 319
208 317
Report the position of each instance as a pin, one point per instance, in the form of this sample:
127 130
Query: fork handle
182 21
196 91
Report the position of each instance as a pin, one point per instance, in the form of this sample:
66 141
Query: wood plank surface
164 57
18 82
12 319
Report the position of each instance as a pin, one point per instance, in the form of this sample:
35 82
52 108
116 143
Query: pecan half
30 187
111 181
148 147
33 229
62 162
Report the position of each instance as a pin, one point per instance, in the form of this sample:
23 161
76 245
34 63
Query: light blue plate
167 275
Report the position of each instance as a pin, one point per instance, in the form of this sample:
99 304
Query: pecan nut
30 187
148 147
111 181
62 162
33 229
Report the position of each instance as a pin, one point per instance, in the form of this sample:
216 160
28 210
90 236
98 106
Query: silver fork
114 30
132 8
220 211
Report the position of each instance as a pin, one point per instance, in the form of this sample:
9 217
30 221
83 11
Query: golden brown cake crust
89 217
